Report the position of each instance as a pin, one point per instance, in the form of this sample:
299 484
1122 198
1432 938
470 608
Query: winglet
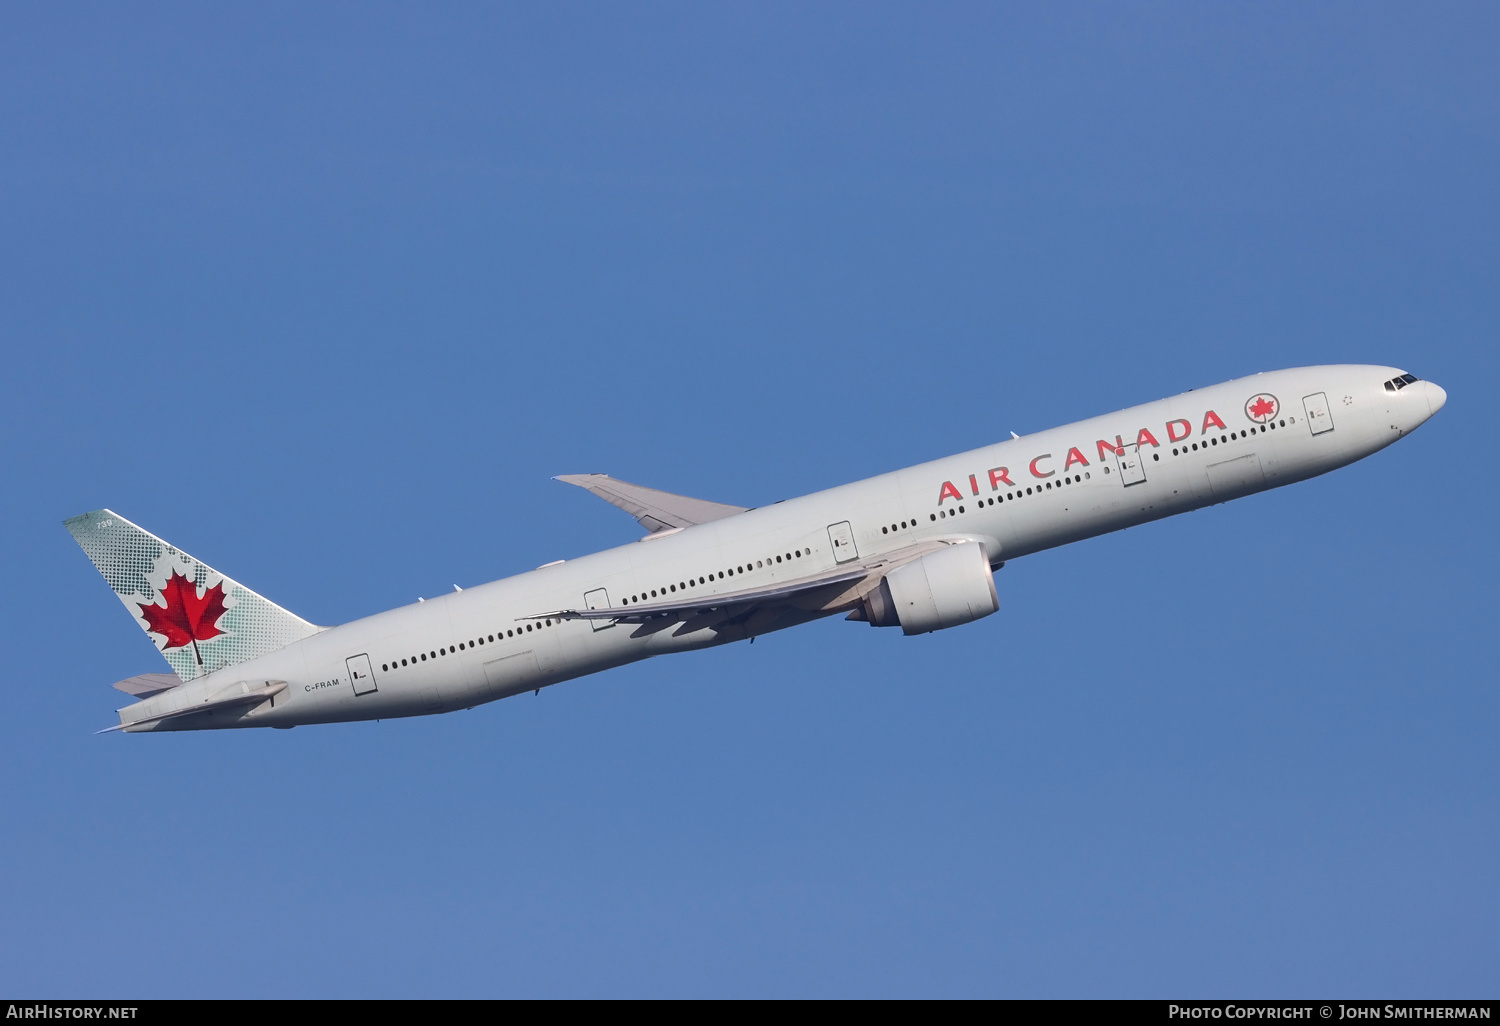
654 510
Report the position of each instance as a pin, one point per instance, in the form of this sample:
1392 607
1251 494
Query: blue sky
325 294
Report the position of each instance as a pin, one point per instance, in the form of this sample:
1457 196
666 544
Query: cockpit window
1396 384
1410 379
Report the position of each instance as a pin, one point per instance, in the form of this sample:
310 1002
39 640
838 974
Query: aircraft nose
1436 397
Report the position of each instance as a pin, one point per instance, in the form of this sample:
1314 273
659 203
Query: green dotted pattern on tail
137 564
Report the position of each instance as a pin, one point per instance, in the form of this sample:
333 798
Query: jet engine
942 589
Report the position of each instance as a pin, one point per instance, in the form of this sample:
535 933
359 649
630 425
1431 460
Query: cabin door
1132 469
841 536
1316 408
598 599
361 674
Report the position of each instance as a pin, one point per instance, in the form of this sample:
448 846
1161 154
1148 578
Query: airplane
915 549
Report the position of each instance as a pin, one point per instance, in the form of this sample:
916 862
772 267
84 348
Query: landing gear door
1316 408
1132 470
361 674
841 537
598 599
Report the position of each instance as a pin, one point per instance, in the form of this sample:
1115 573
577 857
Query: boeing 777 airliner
915 549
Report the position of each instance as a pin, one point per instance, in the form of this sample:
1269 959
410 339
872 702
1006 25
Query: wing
655 510
827 592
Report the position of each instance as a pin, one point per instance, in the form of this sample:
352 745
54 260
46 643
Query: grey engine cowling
942 589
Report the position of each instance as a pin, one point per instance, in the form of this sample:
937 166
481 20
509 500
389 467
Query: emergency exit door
361 674
841 537
1132 469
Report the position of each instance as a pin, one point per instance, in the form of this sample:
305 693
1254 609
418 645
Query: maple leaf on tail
1262 408
185 617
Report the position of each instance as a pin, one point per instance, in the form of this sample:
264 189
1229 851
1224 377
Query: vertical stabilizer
200 620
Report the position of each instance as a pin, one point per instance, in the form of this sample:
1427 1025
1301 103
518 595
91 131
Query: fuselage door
1132 469
361 674
598 599
1316 408
841 536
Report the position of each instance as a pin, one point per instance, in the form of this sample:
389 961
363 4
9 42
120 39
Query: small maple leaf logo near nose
185 617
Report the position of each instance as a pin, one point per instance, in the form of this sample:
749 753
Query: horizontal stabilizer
144 685
655 510
240 693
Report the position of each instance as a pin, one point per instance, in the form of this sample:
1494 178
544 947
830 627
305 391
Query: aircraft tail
199 620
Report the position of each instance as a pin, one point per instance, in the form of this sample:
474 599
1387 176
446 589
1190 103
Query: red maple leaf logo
1263 407
185 618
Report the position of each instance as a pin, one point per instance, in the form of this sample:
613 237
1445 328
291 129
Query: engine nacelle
942 589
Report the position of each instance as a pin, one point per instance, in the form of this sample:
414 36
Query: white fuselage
1015 497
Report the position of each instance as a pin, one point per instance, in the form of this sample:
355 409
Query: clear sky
324 294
